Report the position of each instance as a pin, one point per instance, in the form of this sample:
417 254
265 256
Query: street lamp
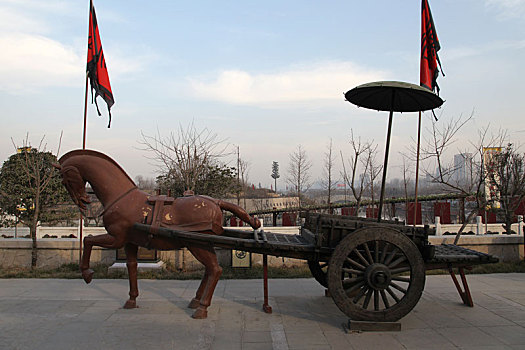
19 209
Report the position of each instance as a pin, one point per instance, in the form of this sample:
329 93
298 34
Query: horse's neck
107 180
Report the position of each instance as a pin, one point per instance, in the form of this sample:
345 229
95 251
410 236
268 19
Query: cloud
32 61
507 8
324 81
483 49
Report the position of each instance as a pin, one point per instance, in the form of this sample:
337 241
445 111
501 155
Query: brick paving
67 314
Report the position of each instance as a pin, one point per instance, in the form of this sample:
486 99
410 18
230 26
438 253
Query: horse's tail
240 213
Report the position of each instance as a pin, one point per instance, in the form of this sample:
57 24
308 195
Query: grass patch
71 271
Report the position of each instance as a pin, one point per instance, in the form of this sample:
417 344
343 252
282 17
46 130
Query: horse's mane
89 152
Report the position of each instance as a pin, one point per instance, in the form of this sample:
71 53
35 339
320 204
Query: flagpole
417 166
85 114
81 221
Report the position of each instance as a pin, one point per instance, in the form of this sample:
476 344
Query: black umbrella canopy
394 96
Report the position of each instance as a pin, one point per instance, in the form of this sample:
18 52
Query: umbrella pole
417 166
385 164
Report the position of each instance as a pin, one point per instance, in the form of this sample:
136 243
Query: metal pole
266 306
85 114
83 147
238 177
385 164
417 166
16 223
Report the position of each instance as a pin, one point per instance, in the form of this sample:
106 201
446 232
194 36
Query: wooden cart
373 271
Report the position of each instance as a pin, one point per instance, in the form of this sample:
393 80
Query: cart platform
373 271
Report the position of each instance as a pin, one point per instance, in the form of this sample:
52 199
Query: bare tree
508 178
299 173
244 169
374 169
328 173
358 167
407 172
186 155
145 183
443 136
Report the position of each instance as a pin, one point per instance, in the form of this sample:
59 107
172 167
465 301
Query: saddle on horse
183 213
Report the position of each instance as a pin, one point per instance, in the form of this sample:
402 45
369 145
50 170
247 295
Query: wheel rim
319 270
383 275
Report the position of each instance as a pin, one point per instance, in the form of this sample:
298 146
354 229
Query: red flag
96 65
429 71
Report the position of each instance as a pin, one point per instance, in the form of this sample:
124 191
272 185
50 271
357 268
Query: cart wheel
319 270
383 275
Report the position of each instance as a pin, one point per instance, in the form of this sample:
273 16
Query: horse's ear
57 166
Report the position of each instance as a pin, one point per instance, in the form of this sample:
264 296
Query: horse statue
124 205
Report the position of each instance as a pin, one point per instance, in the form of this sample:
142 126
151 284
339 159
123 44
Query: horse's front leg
131 264
104 241
213 272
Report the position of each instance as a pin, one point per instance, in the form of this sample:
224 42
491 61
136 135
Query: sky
266 76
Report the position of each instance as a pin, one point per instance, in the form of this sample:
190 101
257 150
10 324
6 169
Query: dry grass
71 271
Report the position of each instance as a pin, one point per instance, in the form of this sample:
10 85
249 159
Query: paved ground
67 314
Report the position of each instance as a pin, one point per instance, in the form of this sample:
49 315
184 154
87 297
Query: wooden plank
308 235
300 250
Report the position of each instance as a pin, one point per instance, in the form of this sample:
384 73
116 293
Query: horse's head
75 185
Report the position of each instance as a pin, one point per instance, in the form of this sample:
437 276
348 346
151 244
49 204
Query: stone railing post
437 220
479 225
520 223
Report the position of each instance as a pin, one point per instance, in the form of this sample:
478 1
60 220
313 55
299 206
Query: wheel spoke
356 264
352 281
376 300
385 299
354 288
383 253
361 257
390 256
400 270
398 287
392 294
401 279
375 274
397 261
352 271
368 254
360 295
367 299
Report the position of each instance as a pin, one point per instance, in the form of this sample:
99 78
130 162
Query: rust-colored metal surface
124 205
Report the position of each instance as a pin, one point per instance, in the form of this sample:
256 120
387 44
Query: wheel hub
378 276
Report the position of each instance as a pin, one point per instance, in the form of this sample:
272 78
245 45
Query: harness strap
116 200
158 206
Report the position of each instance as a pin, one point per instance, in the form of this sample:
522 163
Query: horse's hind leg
212 274
105 241
196 302
131 264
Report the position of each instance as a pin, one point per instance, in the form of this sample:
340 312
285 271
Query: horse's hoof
200 313
87 275
194 303
130 304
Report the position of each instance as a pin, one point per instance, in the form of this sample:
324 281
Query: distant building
268 203
462 167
